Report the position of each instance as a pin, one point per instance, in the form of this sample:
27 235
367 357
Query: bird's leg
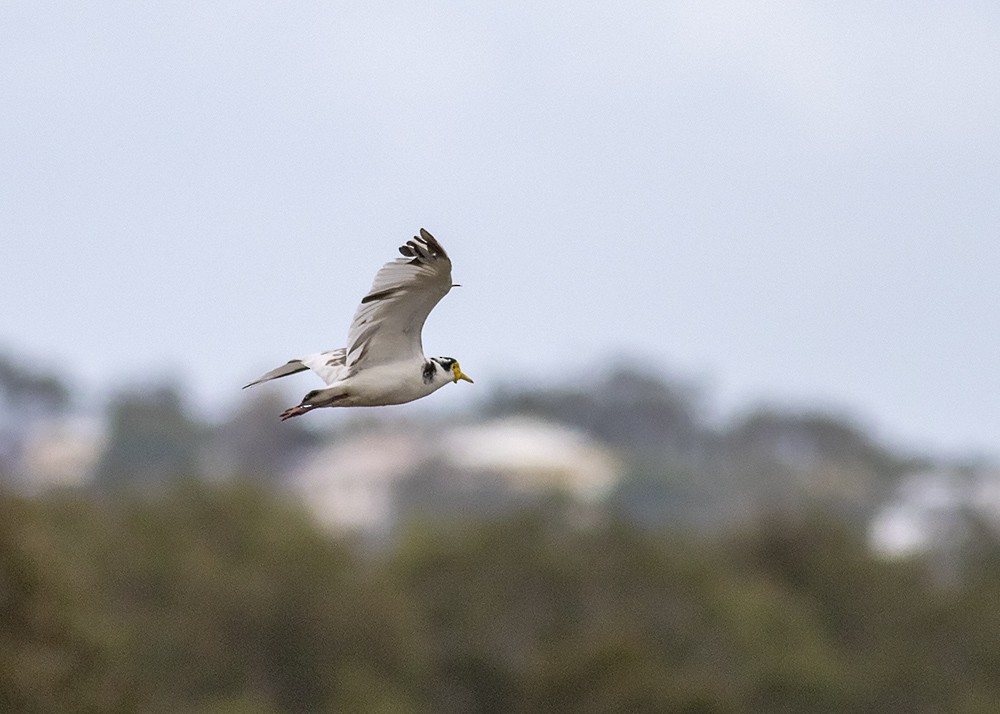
296 411
313 400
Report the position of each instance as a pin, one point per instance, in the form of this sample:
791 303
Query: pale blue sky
796 201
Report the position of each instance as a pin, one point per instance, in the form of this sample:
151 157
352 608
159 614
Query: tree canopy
222 599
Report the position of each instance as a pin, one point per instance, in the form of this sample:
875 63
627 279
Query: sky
787 202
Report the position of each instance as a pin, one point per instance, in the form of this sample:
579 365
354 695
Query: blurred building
932 510
60 452
367 482
350 484
532 456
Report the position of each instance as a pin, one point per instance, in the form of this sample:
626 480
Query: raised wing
387 325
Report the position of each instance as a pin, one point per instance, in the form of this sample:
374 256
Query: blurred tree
151 441
657 427
803 440
48 656
27 394
231 599
532 614
905 643
679 469
226 599
786 461
655 494
32 390
626 406
252 444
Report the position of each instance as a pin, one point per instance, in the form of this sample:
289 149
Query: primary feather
388 322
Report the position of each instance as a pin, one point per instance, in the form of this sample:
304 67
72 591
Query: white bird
384 361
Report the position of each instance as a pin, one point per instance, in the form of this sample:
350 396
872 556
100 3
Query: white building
930 510
349 484
533 456
61 452
355 483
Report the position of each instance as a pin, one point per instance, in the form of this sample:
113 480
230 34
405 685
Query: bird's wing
329 365
387 325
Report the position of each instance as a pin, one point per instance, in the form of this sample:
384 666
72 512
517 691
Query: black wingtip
431 242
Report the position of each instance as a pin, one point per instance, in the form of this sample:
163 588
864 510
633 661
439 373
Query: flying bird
384 360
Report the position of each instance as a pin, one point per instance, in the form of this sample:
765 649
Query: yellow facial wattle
458 374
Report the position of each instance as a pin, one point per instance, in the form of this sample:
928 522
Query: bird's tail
290 367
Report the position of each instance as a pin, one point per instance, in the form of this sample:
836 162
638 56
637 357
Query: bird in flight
384 360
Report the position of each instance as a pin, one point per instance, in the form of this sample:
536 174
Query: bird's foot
294 412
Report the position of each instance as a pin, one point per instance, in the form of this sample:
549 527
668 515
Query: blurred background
729 297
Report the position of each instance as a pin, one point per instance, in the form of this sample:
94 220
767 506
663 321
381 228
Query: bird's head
450 364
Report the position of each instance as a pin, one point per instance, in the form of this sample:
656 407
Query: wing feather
387 325
328 365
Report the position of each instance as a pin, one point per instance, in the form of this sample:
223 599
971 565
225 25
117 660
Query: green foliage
48 656
152 441
217 600
221 600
